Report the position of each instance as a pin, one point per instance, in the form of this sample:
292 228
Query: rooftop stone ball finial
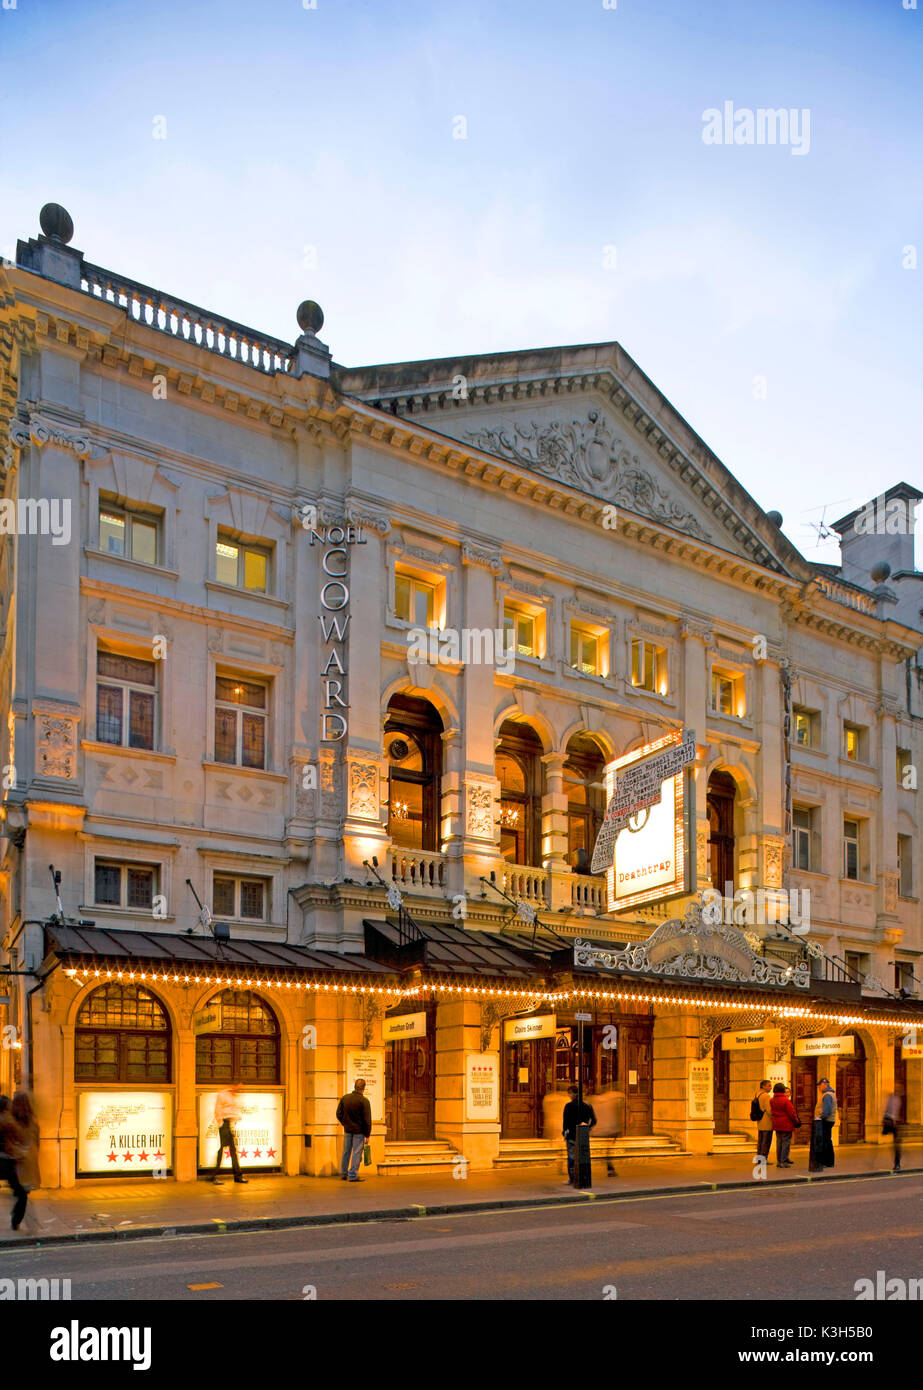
310 316
880 572
56 222
775 518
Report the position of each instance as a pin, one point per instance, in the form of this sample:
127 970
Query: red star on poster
142 1157
257 1153
113 1157
159 1154
127 1157
270 1153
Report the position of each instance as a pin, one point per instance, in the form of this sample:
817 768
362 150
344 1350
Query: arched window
245 1048
583 784
720 800
413 747
122 1034
519 769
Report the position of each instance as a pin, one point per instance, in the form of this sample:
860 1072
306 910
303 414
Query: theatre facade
326 690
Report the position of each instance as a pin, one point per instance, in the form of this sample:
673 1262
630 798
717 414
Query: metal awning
446 949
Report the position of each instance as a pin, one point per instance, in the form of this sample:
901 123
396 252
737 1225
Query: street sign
584 1018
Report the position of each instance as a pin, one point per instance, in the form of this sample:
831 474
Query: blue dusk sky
246 156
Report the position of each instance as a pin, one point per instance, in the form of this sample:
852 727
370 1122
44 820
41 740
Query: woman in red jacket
784 1121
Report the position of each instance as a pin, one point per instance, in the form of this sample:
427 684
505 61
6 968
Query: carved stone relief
56 745
363 790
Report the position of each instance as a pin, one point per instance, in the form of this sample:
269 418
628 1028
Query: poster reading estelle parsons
258 1132
124 1131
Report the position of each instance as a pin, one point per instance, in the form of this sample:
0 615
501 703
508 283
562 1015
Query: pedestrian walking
759 1111
9 1140
355 1115
575 1113
893 1123
16 1143
784 1123
227 1112
609 1108
822 1155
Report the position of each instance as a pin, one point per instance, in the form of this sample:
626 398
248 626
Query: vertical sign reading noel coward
334 622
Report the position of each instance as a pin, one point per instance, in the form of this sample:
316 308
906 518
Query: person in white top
227 1113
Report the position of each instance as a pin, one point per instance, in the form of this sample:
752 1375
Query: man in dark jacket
355 1115
575 1114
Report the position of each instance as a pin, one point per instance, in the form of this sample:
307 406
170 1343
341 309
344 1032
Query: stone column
480 847
185 1117
696 636
676 1044
554 832
459 1035
888 877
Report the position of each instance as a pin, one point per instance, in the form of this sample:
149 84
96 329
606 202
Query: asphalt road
778 1244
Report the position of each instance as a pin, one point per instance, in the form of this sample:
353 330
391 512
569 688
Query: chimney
879 535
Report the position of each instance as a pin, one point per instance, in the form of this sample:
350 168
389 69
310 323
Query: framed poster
701 1090
258 1132
124 1131
370 1066
482 1086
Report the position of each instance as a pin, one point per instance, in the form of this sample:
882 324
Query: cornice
209 617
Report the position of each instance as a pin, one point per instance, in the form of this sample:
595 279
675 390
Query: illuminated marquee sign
124 1131
812 1047
524 1029
404 1026
751 1038
257 1134
642 843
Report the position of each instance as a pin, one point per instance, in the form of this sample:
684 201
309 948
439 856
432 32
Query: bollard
583 1173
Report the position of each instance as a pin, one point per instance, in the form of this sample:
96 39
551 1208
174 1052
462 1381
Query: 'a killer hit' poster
258 1132
124 1132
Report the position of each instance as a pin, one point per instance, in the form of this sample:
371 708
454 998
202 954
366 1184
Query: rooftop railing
187 321
847 596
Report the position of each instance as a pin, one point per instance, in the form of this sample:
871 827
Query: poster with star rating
258 1132
124 1131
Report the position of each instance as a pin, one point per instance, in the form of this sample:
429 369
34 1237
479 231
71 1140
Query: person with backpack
761 1114
784 1123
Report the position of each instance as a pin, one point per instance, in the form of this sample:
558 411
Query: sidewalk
97 1209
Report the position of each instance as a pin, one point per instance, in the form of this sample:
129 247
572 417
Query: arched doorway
850 1095
583 775
413 747
721 1063
518 767
410 1079
720 803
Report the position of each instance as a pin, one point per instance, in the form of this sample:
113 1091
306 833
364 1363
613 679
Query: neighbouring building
316 683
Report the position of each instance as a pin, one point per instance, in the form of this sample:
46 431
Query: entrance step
733 1144
419 1156
530 1153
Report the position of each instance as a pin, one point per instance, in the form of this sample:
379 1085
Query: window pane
226 563
402 590
424 596
405 819
144 542
255 570
637 663
112 533
525 641
251 900
141 728
140 887
126 668
108 714
574 647
225 736
254 752
108 884
588 657
223 897
233 691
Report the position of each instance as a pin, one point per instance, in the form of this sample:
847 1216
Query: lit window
805 728
850 849
241 566
128 534
414 600
727 694
584 651
125 700
240 722
852 743
802 826
124 885
241 898
905 778
522 627
648 666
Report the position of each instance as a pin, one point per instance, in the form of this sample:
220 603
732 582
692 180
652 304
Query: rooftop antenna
824 532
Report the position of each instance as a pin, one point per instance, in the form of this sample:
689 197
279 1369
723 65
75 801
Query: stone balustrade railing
531 885
417 871
187 321
588 893
847 596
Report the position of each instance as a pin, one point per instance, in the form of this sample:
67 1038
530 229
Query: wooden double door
410 1086
850 1094
532 1069
721 1079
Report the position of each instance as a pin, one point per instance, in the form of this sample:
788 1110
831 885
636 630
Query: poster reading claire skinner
124 1131
258 1132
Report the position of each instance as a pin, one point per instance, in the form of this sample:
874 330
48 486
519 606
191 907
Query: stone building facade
344 655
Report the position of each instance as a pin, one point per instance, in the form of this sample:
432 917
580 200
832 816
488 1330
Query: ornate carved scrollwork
712 1026
369 1012
493 1011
